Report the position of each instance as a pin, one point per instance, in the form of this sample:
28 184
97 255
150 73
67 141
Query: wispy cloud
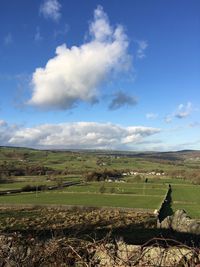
168 118
8 39
51 9
38 37
142 46
6 132
194 124
183 111
151 116
76 73
62 31
121 99
3 123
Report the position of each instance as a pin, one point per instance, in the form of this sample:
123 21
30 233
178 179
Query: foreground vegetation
72 219
90 237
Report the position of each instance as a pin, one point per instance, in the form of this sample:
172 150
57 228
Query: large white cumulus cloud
90 135
75 73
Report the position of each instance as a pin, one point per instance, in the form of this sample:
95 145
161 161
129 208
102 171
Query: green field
129 195
115 194
187 197
20 182
120 188
18 185
132 193
85 199
79 162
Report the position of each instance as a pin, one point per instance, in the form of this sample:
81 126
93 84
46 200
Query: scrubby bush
138 178
112 190
30 188
196 178
9 169
102 189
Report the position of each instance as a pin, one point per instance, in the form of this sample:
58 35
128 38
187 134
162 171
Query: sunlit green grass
19 185
84 199
116 194
36 180
77 162
189 193
120 188
187 197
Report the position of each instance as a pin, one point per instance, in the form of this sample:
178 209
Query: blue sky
100 74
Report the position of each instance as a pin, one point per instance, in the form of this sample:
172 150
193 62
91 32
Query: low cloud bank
88 135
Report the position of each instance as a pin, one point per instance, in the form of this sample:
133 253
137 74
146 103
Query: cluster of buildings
142 173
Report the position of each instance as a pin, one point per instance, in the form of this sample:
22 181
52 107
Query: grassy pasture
79 162
128 195
20 182
120 188
84 199
18 185
116 194
187 197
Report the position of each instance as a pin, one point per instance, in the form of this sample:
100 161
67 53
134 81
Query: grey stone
181 222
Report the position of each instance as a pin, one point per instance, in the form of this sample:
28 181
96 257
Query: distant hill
169 155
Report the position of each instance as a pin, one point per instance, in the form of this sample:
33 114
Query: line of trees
103 175
8 169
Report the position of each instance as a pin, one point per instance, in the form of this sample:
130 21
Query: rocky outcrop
181 222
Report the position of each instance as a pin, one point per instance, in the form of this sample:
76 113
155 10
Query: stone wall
15 250
181 222
165 205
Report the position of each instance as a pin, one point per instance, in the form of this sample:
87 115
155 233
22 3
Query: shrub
112 190
102 189
30 188
138 178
